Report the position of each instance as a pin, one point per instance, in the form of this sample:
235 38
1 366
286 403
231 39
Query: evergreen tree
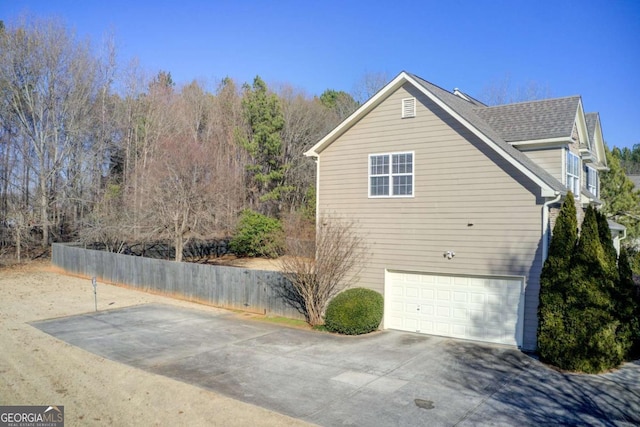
606 241
622 199
628 306
594 343
553 283
340 102
263 141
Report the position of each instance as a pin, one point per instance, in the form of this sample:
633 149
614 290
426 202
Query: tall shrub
552 332
610 253
257 235
594 344
628 306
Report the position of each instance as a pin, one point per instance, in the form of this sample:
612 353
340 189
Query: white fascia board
546 142
581 122
546 191
599 142
356 115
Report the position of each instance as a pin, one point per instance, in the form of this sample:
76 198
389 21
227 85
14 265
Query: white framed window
592 180
573 173
391 175
408 108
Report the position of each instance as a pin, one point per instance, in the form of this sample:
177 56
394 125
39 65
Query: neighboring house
455 201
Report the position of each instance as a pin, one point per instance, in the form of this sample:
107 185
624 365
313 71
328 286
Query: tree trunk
179 245
18 241
44 211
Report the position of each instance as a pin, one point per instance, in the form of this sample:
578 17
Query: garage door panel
460 296
397 306
460 313
427 293
412 291
478 308
443 311
443 295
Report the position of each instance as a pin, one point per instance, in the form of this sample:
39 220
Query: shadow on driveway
385 378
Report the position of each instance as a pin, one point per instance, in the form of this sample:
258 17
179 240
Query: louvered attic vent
408 107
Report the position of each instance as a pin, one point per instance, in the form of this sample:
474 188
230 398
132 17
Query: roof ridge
533 101
433 84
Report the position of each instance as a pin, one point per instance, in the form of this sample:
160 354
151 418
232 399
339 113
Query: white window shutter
408 107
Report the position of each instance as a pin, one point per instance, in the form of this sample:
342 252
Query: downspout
545 225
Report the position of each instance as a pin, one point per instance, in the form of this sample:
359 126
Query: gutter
545 225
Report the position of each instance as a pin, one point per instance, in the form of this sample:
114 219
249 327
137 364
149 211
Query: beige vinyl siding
458 181
550 159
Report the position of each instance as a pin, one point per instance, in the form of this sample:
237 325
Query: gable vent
408 107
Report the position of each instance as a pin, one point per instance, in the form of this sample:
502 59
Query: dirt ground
37 369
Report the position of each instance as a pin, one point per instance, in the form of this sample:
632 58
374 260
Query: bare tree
306 121
49 79
189 187
503 92
321 272
177 200
368 85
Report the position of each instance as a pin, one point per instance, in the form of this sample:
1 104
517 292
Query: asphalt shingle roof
525 121
469 112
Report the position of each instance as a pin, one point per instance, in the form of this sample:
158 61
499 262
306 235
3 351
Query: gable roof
534 120
592 120
596 140
461 110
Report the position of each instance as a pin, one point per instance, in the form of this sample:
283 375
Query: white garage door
476 308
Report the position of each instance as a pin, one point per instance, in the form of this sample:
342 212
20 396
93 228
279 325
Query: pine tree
553 282
263 142
622 199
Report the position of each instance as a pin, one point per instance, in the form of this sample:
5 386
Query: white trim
390 175
576 192
597 183
581 125
544 141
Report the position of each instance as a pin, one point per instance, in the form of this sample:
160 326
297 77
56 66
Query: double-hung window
592 180
573 173
391 175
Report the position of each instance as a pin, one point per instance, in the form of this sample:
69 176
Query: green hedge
355 311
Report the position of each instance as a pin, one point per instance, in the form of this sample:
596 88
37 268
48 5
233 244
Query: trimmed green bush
257 235
355 311
553 337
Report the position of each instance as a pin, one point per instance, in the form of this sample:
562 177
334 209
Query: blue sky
589 48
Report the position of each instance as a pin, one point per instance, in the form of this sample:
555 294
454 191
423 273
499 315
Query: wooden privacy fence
257 291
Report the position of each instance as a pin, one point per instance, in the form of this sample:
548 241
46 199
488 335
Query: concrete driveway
385 378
